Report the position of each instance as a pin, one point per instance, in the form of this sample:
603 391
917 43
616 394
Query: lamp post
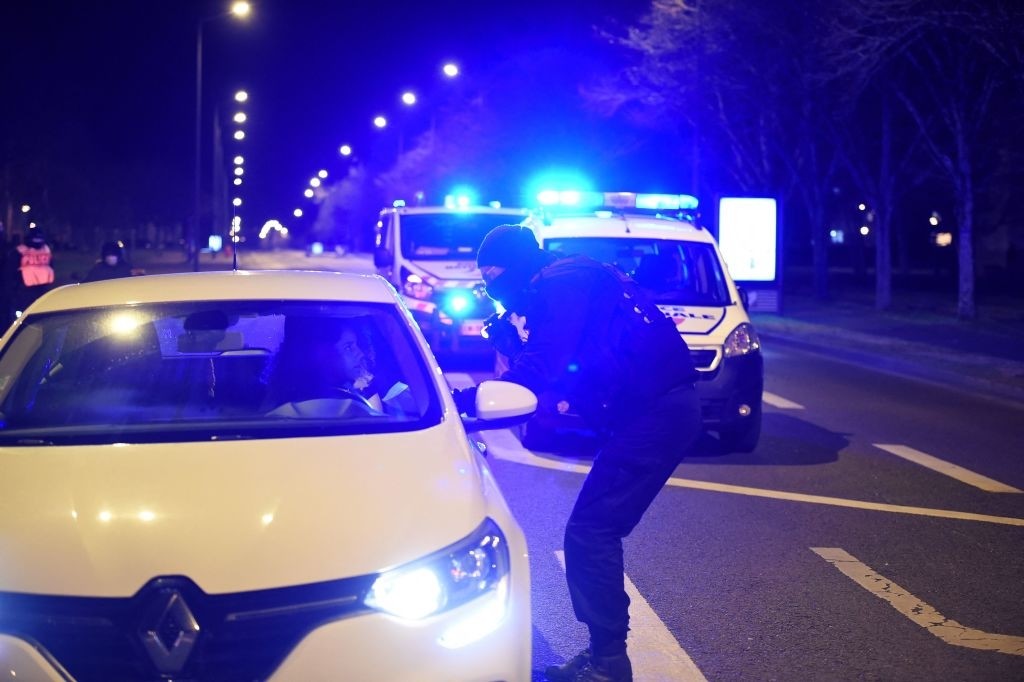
239 9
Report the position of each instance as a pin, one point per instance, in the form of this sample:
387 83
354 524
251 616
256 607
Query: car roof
222 285
489 210
619 225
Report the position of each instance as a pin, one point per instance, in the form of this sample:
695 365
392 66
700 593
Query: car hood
103 520
449 269
702 322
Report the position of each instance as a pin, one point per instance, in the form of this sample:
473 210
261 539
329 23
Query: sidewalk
920 338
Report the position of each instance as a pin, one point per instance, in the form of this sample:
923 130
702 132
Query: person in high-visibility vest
35 265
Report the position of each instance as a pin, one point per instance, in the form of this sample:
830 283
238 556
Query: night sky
88 84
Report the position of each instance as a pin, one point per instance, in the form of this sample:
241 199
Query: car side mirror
381 257
499 405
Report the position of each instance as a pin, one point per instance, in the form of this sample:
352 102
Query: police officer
592 333
35 270
111 265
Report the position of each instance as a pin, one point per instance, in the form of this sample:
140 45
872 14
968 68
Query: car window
446 236
673 271
223 370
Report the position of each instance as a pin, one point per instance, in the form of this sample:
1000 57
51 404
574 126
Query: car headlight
415 286
741 341
471 568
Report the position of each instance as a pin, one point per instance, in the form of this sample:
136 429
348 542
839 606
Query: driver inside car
325 368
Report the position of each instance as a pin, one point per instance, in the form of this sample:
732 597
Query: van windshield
447 236
672 271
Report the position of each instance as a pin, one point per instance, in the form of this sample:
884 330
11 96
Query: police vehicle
429 254
656 239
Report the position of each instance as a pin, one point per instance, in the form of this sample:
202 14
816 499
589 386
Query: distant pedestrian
34 261
111 265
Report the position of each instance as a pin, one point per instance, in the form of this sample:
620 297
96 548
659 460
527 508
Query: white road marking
946 629
504 445
653 650
943 467
780 402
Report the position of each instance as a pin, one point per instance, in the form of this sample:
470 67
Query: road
876 533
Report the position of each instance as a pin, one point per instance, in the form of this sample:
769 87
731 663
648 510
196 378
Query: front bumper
734 382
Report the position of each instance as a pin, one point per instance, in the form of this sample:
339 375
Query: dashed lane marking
946 629
780 402
503 445
653 650
943 467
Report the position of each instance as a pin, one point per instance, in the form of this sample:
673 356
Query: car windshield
213 371
447 236
673 271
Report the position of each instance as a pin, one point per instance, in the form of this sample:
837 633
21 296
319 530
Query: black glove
502 334
465 400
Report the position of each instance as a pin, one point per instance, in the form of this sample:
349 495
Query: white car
164 515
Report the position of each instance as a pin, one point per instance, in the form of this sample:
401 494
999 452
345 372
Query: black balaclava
514 248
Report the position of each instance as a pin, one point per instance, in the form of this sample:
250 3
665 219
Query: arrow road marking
653 650
946 629
947 468
780 402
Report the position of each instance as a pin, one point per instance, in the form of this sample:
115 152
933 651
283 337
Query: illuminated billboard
748 237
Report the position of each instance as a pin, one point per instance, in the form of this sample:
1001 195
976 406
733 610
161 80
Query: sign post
749 236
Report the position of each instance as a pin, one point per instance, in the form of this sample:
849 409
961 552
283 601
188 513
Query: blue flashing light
398 203
457 304
570 198
317 248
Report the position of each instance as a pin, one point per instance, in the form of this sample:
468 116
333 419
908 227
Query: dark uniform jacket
595 338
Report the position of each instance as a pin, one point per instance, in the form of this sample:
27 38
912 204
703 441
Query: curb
905 368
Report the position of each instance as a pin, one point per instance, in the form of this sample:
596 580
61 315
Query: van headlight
469 569
741 341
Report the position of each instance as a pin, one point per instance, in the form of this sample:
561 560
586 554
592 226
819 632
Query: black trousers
630 469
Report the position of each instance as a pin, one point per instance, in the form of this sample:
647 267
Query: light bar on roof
615 200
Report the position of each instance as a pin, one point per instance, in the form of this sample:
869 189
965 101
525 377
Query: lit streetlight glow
239 171
862 207
25 208
308 194
236 201
322 174
297 213
239 134
864 230
345 150
450 69
409 98
240 117
241 96
239 160
241 8
380 121
314 182
237 181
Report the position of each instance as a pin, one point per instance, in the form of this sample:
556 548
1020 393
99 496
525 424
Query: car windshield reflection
213 371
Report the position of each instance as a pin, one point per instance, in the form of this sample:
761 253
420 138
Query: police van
656 239
429 254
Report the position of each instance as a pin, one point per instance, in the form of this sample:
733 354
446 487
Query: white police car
168 514
651 237
429 254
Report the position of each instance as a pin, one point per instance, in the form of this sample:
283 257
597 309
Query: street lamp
345 150
450 69
240 9
241 96
380 122
409 98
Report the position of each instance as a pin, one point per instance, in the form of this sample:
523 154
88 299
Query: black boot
567 671
616 668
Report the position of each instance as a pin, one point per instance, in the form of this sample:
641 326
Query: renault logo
169 632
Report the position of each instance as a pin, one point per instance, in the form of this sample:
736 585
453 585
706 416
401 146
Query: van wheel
743 435
534 437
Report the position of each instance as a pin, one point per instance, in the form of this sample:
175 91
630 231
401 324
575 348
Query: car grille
242 636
